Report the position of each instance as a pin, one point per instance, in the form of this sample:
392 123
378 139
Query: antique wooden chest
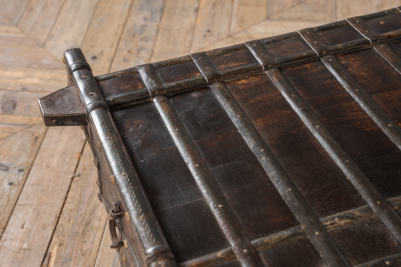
277 152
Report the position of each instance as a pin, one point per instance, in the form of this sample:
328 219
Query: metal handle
114 214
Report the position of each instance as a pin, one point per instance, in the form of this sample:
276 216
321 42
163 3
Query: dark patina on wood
283 151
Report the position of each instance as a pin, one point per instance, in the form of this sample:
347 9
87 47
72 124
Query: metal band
79 66
359 24
261 54
393 260
242 247
206 67
159 252
151 80
284 185
264 243
314 40
364 100
130 193
362 184
354 89
388 54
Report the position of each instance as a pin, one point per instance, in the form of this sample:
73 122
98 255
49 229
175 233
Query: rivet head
347 161
289 189
220 205
83 77
200 57
390 125
378 202
177 130
150 79
381 22
245 250
254 44
387 263
367 31
317 233
197 165
336 219
262 150
262 54
318 126
329 59
91 93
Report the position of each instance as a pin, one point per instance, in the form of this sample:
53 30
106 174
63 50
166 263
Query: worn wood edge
334 221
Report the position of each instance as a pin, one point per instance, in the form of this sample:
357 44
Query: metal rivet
349 44
254 44
91 93
197 165
315 42
83 77
108 137
317 233
10 183
207 67
127 216
220 206
307 32
293 95
387 263
245 250
357 90
318 126
347 161
382 46
381 22
390 125
378 202
262 54
329 59
367 31
200 57
150 79
262 150
289 189
336 219
357 21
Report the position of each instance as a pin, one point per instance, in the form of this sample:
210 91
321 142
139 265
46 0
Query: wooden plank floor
49 211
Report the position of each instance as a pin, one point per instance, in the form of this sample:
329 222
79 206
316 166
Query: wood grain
12 10
213 22
176 29
247 13
101 40
33 80
39 17
139 36
70 28
10 125
17 154
15 103
39 205
106 256
79 231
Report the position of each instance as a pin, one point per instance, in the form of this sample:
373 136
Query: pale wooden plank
39 17
276 7
35 80
247 13
262 30
28 57
17 154
139 36
380 5
79 231
11 36
106 255
71 25
116 261
10 124
21 104
213 22
308 10
28 232
347 9
176 29
12 10
105 29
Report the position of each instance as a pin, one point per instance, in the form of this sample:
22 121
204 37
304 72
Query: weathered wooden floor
49 211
